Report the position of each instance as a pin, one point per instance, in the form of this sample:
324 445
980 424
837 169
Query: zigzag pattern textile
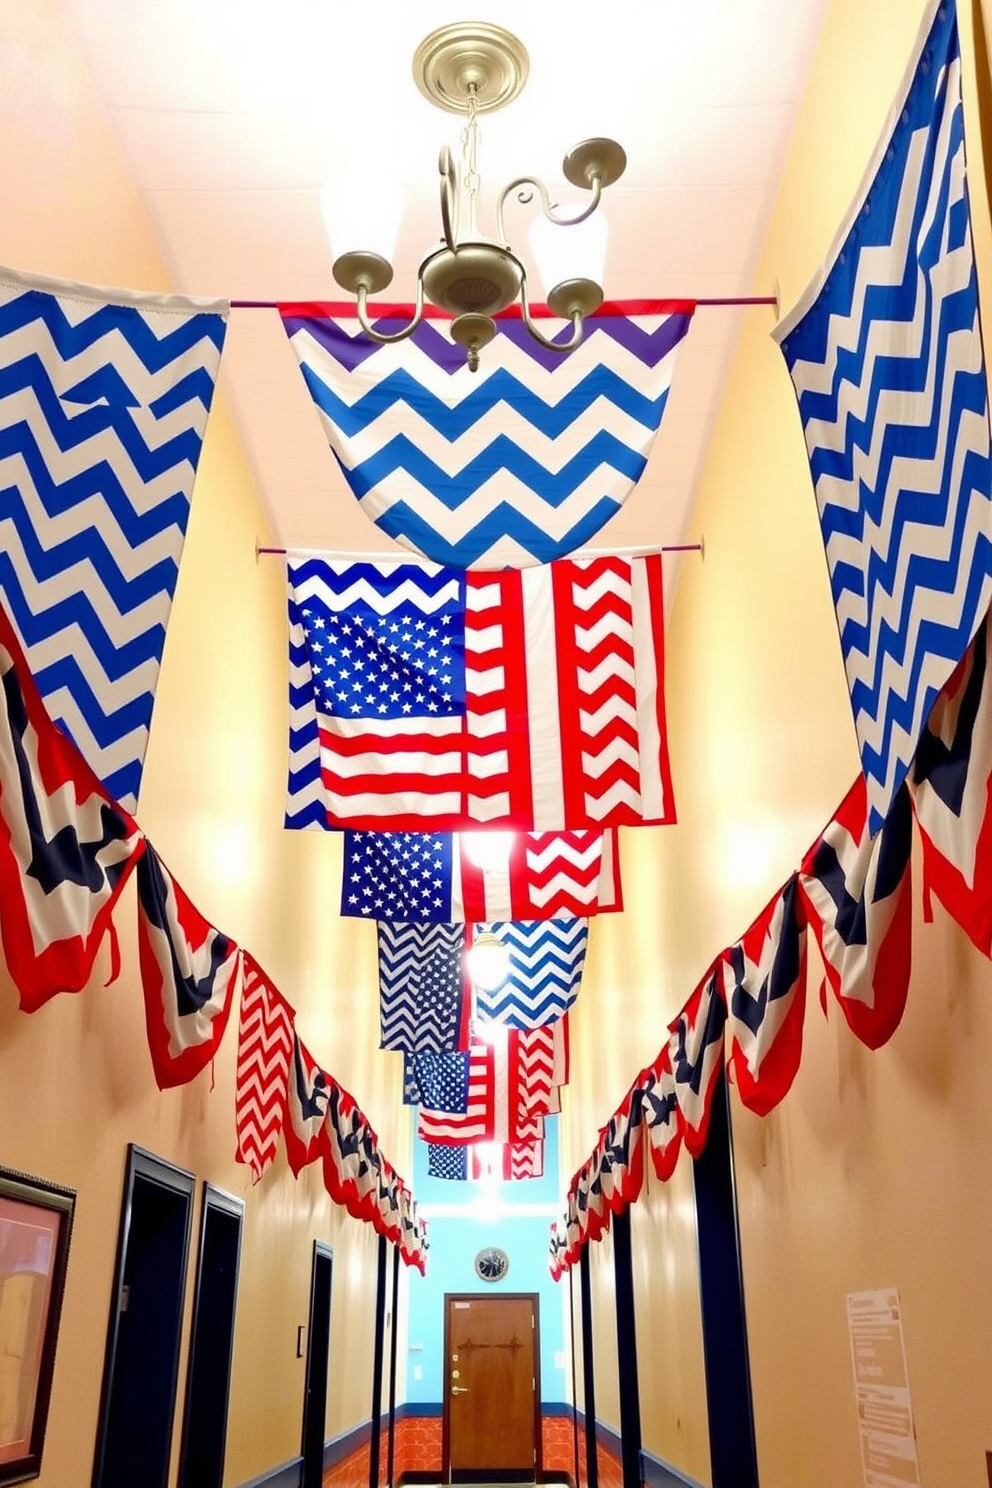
545 972
421 986
425 698
431 876
518 463
265 1048
104 398
885 353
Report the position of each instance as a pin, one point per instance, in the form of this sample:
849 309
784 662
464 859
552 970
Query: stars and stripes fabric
498 1090
857 892
544 976
306 1107
950 785
885 353
765 988
189 972
66 849
520 462
460 1106
447 1163
104 398
422 987
696 1053
440 1081
427 876
660 1114
507 1161
428 698
265 1050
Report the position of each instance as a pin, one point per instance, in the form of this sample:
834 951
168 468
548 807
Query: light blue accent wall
455 1240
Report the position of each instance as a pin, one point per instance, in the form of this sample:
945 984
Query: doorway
318 1349
211 1351
492 1388
141 1368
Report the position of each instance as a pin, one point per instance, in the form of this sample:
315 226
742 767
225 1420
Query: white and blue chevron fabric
546 961
885 353
420 986
104 397
518 463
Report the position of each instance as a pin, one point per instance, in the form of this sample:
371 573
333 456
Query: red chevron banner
506 1161
265 1050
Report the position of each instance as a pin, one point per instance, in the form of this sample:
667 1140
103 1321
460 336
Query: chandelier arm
362 295
578 329
549 211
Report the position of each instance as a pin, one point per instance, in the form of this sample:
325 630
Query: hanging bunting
453 877
424 698
858 896
660 1107
546 958
696 1050
306 1107
423 1004
104 398
518 463
66 849
765 981
188 974
265 1049
885 353
950 785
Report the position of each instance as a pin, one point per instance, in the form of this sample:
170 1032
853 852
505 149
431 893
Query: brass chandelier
471 68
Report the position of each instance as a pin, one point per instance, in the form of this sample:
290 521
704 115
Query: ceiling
233 115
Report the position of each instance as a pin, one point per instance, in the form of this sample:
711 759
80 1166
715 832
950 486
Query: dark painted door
211 1350
318 1348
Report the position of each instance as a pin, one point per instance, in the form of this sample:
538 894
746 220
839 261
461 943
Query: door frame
534 1298
215 1201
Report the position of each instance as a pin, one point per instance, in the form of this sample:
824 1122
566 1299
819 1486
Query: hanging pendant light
471 68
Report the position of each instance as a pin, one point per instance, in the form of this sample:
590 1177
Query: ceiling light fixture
487 961
472 68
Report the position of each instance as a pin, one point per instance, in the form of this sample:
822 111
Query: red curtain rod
281 552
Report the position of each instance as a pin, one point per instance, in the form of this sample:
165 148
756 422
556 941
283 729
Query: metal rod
713 303
391 1450
635 552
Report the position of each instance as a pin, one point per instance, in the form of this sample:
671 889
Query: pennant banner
306 1107
104 397
426 698
265 1049
474 876
765 980
885 353
520 462
66 849
188 973
858 896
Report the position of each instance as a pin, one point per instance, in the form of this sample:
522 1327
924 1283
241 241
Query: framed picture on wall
35 1226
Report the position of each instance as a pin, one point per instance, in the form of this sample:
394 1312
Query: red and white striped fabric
477 1122
765 986
506 1160
543 876
265 1049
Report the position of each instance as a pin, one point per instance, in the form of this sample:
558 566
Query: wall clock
492 1264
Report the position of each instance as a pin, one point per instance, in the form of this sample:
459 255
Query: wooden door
492 1395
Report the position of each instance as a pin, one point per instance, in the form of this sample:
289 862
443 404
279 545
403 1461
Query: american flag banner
104 398
520 462
306 1107
506 1161
885 353
621 1153
950 785
435 876
696 1051
265 1049
765 985
546 958
557 1247
424 698
660 1107
858 896
422 987
66 849
460 1107
534 1058
448 1163
188 975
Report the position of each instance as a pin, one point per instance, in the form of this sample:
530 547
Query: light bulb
562 253
487 850
488 962
362 212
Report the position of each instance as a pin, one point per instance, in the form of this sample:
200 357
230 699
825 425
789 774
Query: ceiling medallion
471 68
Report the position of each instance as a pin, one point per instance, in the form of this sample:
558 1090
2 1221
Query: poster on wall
881 1390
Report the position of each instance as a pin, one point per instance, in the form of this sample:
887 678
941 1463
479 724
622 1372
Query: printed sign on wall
881 1389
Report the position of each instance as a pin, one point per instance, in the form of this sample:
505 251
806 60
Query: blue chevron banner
104 398
518 463
885 353
420 986
545 971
